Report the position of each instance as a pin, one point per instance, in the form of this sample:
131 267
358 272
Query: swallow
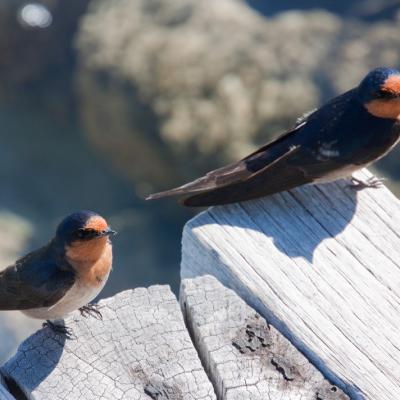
346 134
62 276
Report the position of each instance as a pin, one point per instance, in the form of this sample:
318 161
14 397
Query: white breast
76 297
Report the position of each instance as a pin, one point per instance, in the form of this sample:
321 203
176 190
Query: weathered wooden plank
4 393
244 356
140 350
322 263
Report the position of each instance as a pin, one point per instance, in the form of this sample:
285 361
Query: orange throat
92 260
383 108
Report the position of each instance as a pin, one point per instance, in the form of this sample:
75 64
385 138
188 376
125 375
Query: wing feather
277 176
232 173
33 282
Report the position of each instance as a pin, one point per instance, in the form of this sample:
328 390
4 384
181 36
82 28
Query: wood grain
140 350
245 357
322 264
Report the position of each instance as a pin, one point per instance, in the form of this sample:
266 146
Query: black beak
108 232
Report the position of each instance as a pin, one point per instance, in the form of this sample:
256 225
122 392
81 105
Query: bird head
83 226
83 235
379 91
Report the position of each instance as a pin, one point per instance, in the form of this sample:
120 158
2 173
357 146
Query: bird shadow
34 361
297 221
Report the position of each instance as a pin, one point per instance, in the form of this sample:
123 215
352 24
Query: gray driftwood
246 358
322 263
141 350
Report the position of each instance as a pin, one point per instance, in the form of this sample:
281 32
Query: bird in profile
62 276
344 135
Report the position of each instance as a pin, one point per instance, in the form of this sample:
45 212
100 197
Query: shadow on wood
40 355
140 350
342 307
290 212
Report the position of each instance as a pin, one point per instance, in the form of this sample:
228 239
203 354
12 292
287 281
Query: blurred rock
182 86
15 234
176 82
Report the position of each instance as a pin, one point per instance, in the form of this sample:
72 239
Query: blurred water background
105 101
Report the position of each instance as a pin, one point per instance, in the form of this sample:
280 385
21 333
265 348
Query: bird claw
373 183
91 309
58 329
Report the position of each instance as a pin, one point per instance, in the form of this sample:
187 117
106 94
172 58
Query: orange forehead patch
96 223
392 84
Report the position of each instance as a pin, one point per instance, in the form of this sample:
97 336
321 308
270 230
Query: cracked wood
245 357
322 264
140 350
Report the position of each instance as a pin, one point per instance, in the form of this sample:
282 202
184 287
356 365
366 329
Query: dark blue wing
35 280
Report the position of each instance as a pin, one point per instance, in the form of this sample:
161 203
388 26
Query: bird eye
86 233
80 234
386 94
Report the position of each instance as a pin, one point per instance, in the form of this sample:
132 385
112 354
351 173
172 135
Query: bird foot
373 183
91 309
59 329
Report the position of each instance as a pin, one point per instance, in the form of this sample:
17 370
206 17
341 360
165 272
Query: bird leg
91 309
373 182
60 329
